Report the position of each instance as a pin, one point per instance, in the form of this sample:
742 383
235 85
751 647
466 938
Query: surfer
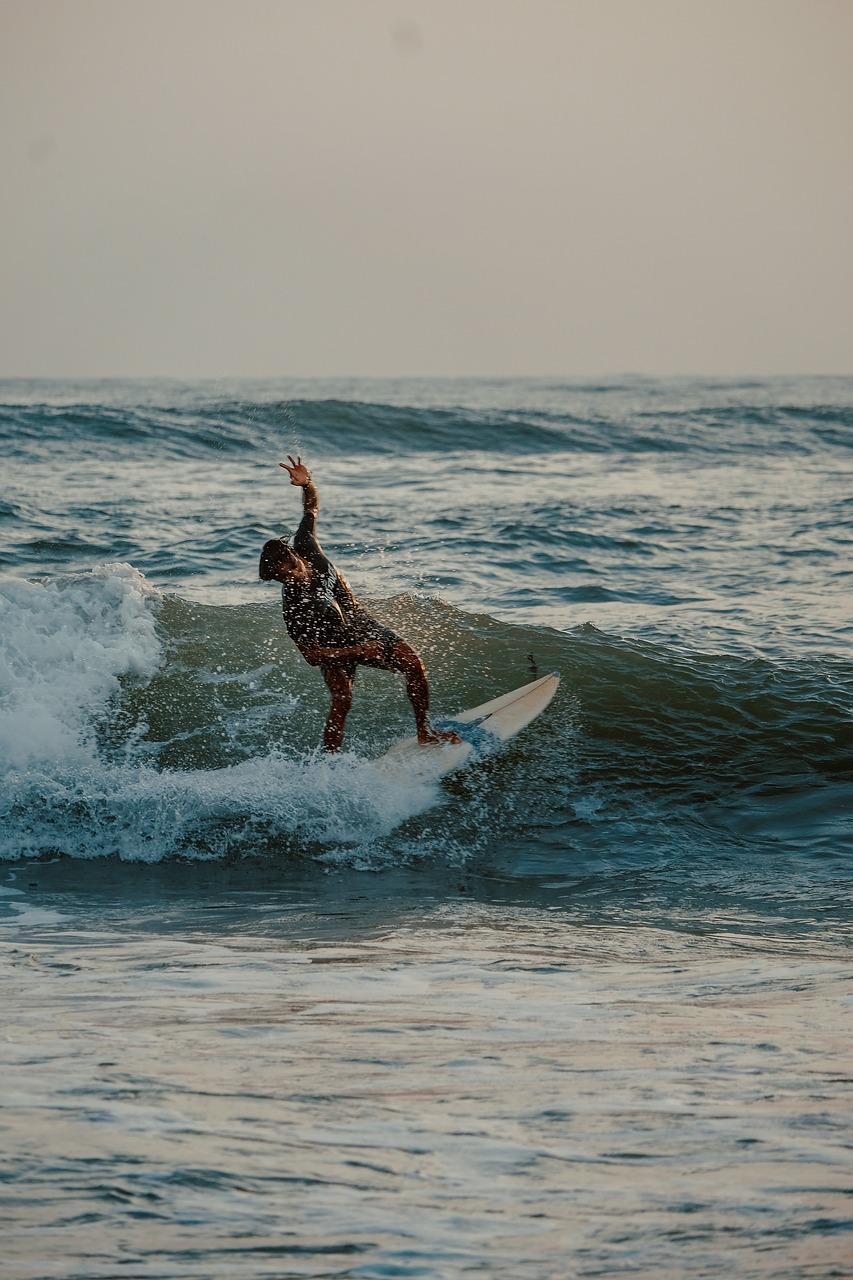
328 625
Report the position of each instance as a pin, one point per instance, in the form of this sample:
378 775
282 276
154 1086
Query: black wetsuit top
324 613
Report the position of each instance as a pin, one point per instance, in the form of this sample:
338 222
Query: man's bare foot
437 735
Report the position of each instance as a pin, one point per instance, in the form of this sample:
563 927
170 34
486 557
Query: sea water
582 1009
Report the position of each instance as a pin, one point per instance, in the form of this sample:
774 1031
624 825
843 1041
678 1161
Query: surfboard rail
482 729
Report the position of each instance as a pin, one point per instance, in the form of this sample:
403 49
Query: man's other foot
437 735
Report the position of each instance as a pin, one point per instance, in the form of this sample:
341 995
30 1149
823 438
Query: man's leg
404 659
340 686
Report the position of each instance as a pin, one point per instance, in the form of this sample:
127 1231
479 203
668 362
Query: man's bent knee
403 658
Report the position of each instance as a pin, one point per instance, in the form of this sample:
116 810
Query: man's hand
318 656
299 474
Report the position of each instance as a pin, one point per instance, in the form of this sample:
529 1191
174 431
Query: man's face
290 566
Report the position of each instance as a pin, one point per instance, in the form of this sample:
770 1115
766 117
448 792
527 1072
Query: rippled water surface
346 1083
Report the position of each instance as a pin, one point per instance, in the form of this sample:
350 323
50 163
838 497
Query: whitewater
583 1008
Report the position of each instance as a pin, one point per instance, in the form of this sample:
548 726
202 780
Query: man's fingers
292 468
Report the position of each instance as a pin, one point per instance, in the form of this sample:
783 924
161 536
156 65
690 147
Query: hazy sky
381 187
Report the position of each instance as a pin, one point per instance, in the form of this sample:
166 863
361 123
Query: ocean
581 1009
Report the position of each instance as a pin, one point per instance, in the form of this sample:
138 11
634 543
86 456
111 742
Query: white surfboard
482 730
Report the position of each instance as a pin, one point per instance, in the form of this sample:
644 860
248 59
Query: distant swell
328 426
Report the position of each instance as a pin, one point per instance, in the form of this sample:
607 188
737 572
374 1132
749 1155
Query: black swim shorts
363 629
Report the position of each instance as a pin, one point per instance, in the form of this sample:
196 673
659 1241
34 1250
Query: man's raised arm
301 477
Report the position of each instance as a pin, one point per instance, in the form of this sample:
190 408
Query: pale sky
219 188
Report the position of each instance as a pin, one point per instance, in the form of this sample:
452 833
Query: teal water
581 1009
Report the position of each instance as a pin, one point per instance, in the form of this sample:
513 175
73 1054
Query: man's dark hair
272 554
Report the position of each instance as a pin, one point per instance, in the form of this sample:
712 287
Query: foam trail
66 650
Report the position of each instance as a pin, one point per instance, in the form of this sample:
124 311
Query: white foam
330 801
64 647
142 814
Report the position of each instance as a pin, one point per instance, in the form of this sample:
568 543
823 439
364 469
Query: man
328 625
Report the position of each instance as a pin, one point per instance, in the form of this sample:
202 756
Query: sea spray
63 647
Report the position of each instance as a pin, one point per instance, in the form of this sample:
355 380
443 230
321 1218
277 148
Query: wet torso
320 612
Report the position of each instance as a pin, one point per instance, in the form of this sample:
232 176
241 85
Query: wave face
678 552
150 728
